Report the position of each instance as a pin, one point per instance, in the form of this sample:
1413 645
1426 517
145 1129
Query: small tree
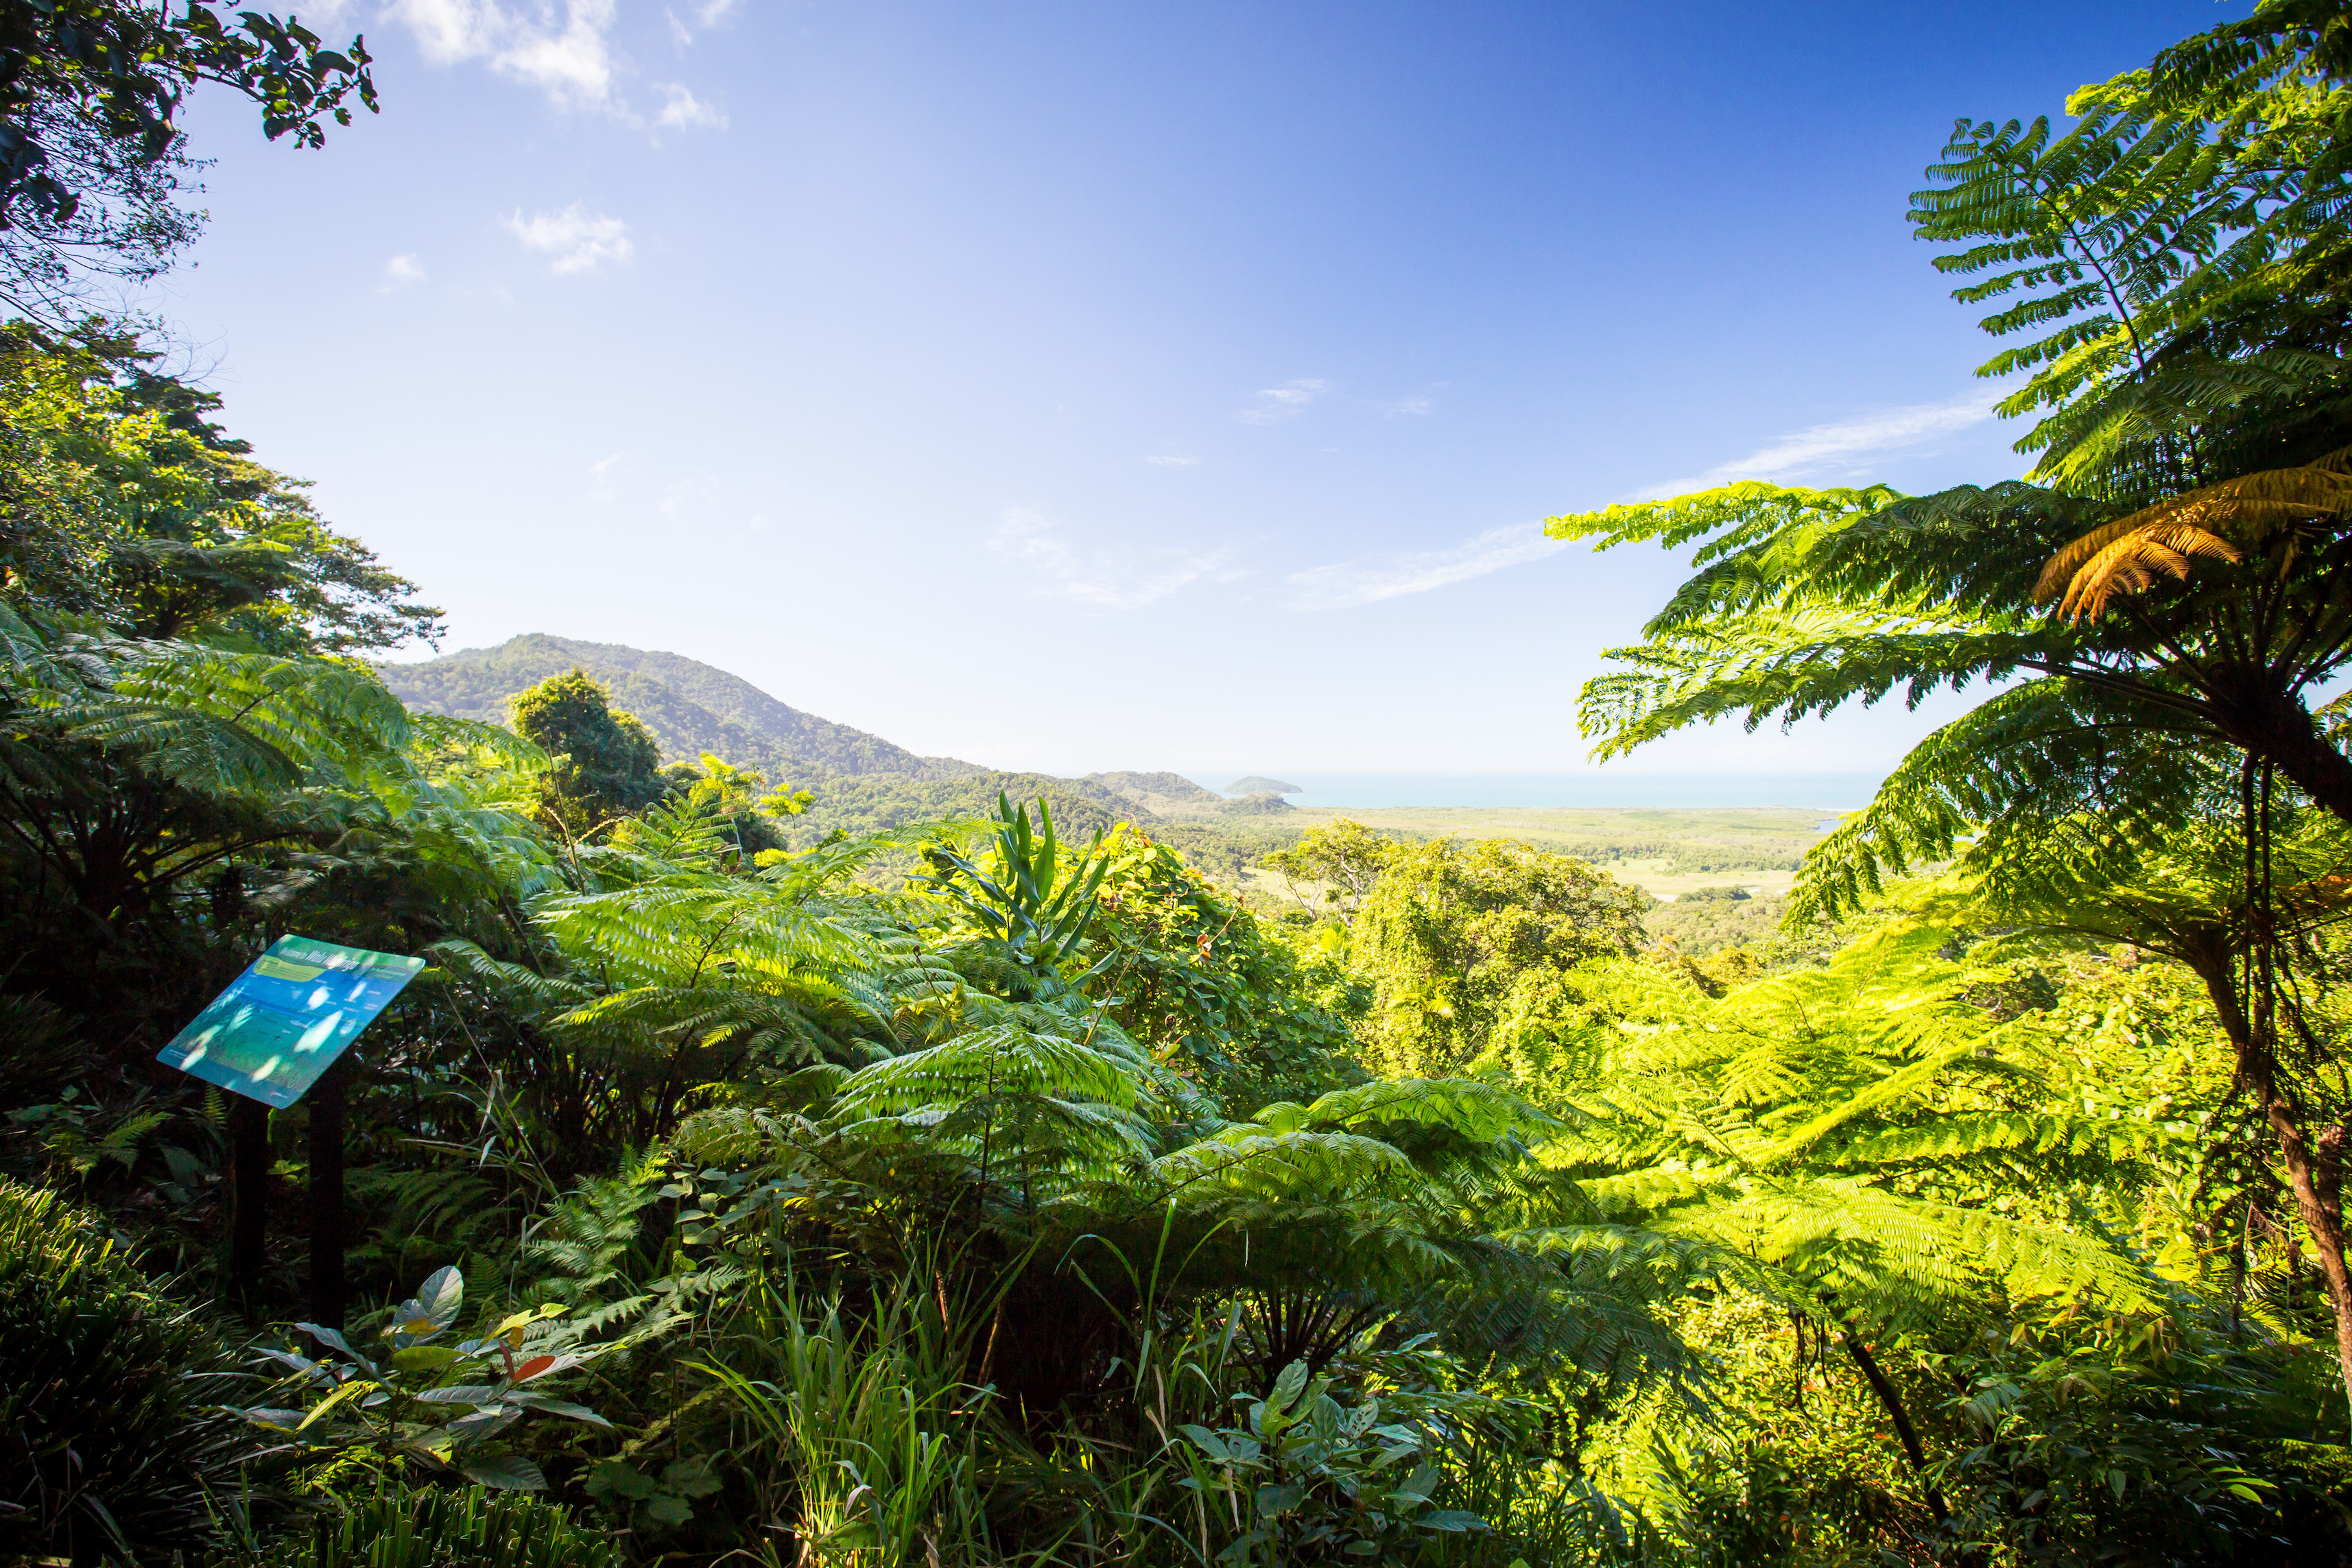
606 763
1342 858
739 800
1460 941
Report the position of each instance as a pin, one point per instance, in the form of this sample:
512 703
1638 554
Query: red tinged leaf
526 1371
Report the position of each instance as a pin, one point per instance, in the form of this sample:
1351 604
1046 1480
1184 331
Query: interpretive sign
286 1019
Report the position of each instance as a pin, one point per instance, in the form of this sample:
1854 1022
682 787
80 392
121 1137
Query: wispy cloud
710 14
1408 405
402 272
578 239
1108 581
1274 403
683 112
687 501
1172 460
600 481
1841 450
1350 584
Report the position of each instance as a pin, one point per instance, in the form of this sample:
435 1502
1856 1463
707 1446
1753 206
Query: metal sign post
278 1029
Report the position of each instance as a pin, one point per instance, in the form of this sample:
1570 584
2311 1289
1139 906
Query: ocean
1601 789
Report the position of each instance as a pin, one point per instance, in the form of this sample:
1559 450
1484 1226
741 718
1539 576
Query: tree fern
2174 250
2176 257
1835 1127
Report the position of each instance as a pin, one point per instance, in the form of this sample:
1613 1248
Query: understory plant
1301 1478
411 1403
861 1433
113 1442
2091 1436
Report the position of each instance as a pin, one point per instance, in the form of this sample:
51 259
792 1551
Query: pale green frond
1326 1165
993 1061
1476 1111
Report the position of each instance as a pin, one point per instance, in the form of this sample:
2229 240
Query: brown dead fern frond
2219 521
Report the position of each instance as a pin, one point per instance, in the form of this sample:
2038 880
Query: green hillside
690 707
1162 791
862 783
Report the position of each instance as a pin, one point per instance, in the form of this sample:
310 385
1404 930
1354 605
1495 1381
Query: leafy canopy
90 136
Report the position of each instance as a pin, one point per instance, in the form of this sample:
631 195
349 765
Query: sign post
248 1139
270 1037
327 1198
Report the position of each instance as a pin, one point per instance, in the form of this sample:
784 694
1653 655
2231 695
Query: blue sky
1081 386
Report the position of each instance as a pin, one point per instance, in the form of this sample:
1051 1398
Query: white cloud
1172 460
597 468
573 64
1350 583
568 55
1275 403
1415 405
1836 451
448 30
684 110
402 272
577 240
1105 582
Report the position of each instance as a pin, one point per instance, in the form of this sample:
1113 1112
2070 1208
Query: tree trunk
1904 1431
2304 1178
2275 728
2312 1185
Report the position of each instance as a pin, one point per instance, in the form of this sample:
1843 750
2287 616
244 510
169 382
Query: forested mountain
861 783
690 707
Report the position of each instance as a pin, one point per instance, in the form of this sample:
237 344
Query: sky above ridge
1087 386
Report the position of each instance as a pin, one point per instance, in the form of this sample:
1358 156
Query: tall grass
863 1441
429 1529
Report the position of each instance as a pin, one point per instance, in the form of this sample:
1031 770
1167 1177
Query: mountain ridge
862 782
690 707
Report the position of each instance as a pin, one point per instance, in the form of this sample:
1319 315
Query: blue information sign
285 1020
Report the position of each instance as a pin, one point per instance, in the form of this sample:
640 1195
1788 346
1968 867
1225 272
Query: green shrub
111 1441
424 1528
